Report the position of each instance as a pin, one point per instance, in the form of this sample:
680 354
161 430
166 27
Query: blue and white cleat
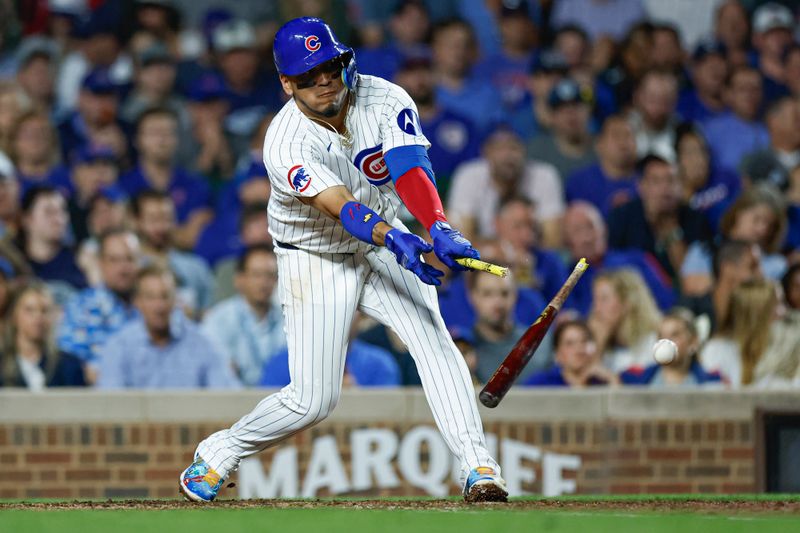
199 482
485 485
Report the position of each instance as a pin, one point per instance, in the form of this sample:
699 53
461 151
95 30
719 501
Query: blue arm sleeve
359 220
403 158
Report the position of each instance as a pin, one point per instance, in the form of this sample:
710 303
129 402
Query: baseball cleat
199 482
485 485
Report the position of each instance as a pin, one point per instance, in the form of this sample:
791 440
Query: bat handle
488 399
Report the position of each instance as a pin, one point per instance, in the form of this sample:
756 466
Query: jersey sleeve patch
299 180
408 121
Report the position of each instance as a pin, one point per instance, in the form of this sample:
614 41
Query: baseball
664 351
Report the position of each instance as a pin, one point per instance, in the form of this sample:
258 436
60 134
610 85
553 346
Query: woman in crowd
744 335
623 319
29 359
678 326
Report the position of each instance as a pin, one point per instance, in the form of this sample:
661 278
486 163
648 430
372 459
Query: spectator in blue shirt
685 370
208 141
739 131
157 144
154 218
94 314
248 328
33 148
28 359
161 348
610 182
704 100
577 360
45 226
453 137
586 235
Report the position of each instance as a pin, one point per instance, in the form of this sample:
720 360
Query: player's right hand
407 248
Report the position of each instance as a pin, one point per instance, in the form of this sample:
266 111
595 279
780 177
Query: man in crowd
704 100
773 163
653 115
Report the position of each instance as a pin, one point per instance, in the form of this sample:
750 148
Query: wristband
359 220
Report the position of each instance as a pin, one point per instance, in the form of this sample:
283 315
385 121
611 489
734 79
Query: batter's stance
342 155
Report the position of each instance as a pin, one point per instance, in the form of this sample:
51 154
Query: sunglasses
308 79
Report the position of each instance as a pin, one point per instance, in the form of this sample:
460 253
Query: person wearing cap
548 67
704 99
94 168
453 137
34 149
454 52
96 120
773 24
653 115
569 145
208 140
36 64
249 90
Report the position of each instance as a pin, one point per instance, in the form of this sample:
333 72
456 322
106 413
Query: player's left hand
450 244
407 248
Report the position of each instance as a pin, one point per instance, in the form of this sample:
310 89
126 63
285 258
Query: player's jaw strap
410 169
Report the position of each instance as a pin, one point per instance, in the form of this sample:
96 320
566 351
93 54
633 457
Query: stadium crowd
660 140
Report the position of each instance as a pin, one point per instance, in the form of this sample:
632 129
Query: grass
327 519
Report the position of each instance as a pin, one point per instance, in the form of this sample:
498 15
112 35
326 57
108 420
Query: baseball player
342 155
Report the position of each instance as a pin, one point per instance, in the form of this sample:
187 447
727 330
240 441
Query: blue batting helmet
304 43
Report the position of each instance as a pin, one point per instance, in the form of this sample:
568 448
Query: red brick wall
144 459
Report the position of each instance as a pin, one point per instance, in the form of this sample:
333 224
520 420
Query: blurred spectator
633 57
668 53
791 287
95 313
548 67
743 337
28 358
250 91
586 235
792 196
161 348
250 230
454 53
33 147
248 328
45 227
704 100
208 142
658 222
684 370
706 187
107 210
773 25
496 330
772 164
518 236
691 19
569 145
653 115
779 365
154 218
572 42
94 169
577 360
162 18
611 181
157 143
479 187
791 68
10 208
453 138
732 29
735 262
756 217
385 338
96 119
464 340
409 26
623 319
506 70
599 18
37 59
738 132
13 103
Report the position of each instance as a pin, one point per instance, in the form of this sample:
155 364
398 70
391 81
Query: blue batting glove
407 248
450 244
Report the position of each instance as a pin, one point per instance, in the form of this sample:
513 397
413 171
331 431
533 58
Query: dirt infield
702 505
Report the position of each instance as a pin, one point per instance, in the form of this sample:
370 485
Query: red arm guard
419 194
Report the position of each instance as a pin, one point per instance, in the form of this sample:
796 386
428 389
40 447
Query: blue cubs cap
707 48
206 88
93 153
99 81
304 43
567 91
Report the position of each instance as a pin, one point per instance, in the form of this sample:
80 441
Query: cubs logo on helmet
312 43
370 162
299 180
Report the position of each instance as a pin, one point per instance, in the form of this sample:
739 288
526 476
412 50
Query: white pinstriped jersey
303 158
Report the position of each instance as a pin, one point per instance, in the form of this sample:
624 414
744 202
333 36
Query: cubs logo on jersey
370 162
312 43
299 180
408 121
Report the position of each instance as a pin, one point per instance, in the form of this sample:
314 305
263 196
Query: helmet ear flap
349 73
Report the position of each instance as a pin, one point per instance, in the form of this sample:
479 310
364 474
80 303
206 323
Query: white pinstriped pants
320 294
